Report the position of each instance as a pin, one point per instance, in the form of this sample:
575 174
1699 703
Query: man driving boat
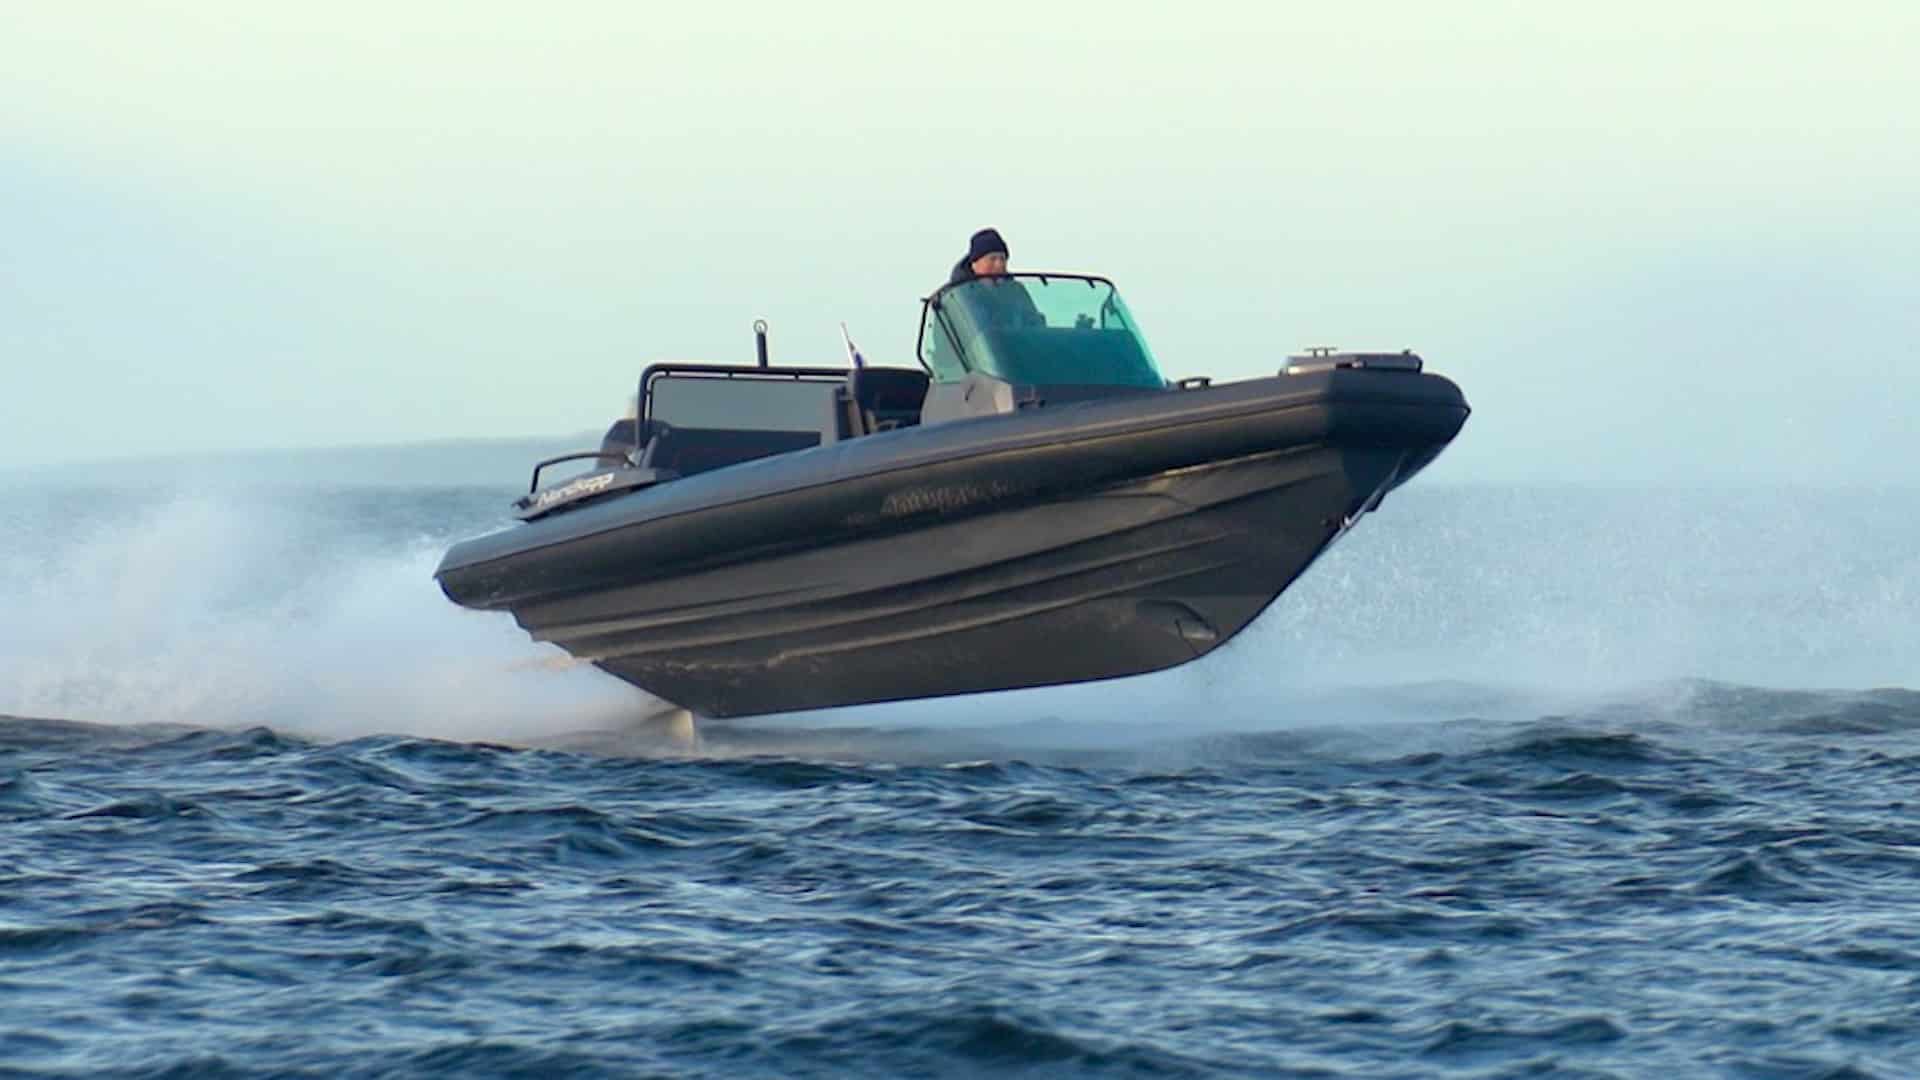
1005 301
986 257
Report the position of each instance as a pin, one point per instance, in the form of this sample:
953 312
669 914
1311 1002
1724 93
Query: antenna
760 340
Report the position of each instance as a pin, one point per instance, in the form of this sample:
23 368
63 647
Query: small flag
853 353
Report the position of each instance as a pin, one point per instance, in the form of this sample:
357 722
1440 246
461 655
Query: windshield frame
930 308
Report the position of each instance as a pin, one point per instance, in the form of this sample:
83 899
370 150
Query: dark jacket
1008 304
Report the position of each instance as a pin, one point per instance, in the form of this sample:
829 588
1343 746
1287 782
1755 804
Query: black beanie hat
985 242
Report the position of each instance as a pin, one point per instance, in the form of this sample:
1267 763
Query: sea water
1515 782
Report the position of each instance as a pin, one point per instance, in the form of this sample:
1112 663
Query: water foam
234 612
1595 591
320 616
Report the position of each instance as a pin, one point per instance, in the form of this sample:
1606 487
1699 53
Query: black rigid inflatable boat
1038 506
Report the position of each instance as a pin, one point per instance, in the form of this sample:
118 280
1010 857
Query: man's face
992 264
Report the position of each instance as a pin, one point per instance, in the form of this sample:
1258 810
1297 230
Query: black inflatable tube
889 481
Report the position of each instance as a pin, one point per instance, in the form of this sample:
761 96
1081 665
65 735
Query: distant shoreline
483 462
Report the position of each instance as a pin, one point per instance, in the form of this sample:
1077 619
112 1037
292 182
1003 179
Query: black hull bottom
1132 578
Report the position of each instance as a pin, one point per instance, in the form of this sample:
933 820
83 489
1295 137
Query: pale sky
1655 242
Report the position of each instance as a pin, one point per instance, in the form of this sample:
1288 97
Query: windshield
1036 329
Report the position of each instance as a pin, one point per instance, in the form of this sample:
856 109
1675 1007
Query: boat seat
621 440
689 450
887 398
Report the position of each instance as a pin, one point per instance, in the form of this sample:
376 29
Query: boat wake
235 614
314 614
1403 724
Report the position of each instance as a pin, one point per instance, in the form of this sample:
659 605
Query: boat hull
1111 539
